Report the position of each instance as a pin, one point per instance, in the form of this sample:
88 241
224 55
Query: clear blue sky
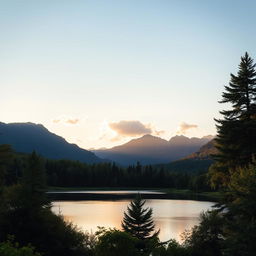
81 67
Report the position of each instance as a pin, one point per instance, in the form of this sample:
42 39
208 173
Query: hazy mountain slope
204 152
26 137
152 150
199 161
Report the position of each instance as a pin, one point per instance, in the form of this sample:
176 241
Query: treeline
67 173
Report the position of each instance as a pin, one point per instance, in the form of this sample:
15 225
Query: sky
100 73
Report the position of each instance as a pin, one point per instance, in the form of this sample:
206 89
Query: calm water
171 216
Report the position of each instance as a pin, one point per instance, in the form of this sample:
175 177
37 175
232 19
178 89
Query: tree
6 157
206 239
236 132
240 217
34 183
26 215
12 249
115 242
138 220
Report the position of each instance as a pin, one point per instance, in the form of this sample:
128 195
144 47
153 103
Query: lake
173 217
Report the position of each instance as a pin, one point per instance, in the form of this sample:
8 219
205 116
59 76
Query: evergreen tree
6 157
236 136
138 220
34 183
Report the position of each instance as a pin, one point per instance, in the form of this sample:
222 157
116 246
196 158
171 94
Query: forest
29 227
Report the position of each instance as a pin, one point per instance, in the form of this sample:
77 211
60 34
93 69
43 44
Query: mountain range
26 137
153 150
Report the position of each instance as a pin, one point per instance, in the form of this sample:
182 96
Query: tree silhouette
236 136
138 220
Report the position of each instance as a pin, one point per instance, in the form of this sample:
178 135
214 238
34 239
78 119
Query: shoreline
76 194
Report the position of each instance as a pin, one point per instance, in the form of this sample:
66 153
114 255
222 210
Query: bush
12 249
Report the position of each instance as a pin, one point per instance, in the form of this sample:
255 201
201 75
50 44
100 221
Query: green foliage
240 218
25 213
176 249
206 239
113 242
229 230
12 249
138 221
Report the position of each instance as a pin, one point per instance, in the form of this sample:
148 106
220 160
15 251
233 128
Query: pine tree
6 157
236 138
241 92
34 183
138 220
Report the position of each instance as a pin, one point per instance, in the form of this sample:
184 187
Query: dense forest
67 173
28 226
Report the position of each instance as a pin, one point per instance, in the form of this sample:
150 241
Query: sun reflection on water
173 217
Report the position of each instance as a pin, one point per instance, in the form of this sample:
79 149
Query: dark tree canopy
138 220
34 182
241 92
236 136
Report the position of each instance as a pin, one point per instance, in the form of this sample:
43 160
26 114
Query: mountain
152 150
198 161
26 137
205 152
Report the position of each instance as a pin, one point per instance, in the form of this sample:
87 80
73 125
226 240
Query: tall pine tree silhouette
138 221
236 137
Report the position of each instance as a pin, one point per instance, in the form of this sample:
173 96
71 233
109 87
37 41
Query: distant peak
209 137
148 136
178 138
24 124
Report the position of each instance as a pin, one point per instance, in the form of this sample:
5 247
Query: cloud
130 128
72 121
66 120
184 127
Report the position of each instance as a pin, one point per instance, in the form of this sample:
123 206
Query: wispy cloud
66 120
184 127
72 121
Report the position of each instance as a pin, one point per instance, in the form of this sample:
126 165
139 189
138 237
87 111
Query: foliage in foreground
13 249
25 214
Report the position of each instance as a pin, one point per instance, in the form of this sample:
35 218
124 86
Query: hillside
204 152
26 137
198 161
152 150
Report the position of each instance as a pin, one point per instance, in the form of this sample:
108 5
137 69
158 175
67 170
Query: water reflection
173 217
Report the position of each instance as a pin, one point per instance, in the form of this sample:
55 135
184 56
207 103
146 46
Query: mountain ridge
150 149
26 137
